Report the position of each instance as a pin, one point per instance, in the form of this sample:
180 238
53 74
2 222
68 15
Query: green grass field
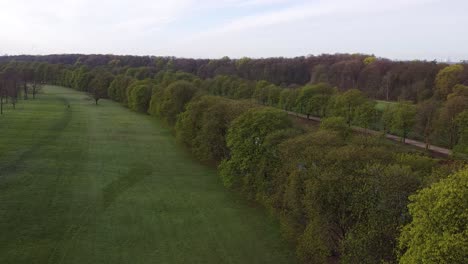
101 184
381 105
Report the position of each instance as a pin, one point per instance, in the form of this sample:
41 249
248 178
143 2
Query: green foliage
403 119
139 95
461 122
273 95
204 124
245 139
447 126
99 84
346 104
288 98
172 101
336 124
311 247
426 118
365 115
118 88
438 232
81 79
447 78
370 60
260 93
314 99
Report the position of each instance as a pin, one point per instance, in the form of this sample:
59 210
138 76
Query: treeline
378 78
337 195
20 80
439 120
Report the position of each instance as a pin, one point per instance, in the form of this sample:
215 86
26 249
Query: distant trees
456 103
117 90
403 119
172 100
353 81
99 85
447 78
314 99
139 95
426 115
347 103
462 126
204 125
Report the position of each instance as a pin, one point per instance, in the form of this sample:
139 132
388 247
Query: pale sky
397 29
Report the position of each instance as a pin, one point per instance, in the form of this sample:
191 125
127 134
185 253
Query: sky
396 29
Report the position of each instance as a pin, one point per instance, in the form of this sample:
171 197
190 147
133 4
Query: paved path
440 151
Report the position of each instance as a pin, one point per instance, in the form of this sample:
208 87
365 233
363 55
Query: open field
101 184
381 105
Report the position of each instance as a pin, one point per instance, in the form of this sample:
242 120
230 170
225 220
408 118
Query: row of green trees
336 195
378 78
438 121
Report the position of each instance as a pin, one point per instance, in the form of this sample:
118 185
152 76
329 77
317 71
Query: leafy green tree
174 99
82 79
446 122
370 60
386 118
204 124
345 104
461 121
118 88
273 95
245 139
447 78
314 99
337 124
404 119
287 100
189 122
438 232
425 119
260 93
99 85
365 114
244 91
140 95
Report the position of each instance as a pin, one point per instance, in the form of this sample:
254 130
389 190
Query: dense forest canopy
379 78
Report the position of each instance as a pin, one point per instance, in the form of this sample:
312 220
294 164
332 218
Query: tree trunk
96 100
34 91
25 88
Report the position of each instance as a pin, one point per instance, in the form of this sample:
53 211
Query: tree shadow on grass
54 131
112 191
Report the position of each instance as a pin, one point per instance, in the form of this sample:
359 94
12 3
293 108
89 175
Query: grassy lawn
381 105
101 184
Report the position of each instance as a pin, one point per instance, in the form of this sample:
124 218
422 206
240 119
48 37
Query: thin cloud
308 10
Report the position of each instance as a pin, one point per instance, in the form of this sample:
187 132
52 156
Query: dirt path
435 150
